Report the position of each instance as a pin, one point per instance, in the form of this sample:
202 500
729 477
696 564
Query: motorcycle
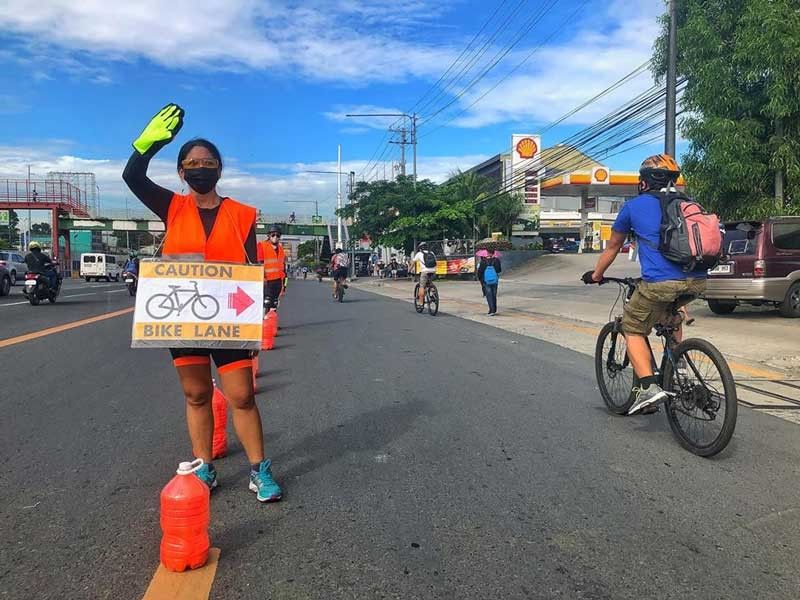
37 288
131 282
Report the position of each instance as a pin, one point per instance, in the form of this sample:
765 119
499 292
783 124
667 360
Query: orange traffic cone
219 406
268 331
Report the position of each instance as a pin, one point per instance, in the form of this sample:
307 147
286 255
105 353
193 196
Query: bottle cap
185 468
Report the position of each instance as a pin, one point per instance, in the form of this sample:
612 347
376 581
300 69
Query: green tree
741 59
502 210
307 250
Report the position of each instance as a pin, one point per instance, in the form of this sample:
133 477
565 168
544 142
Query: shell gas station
567 195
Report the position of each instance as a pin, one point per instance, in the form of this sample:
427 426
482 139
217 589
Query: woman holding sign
206 226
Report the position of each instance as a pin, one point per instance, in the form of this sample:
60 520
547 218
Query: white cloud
10 105
267 186
560 77
346 41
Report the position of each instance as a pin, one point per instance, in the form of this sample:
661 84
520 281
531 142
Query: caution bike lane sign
198 305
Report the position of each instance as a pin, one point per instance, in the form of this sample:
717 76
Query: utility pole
339 195
414 143
779 170
672 79
413 120
402 131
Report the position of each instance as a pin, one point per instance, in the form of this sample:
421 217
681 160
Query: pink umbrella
483 253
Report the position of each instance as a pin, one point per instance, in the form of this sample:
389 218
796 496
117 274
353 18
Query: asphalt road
421 457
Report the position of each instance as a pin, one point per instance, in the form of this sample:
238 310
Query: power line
476 56
458 59
507 75
521 33
592 139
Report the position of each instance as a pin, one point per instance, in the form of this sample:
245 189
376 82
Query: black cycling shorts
226 359
272 292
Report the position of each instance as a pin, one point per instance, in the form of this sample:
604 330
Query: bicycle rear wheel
613 370
340 292
703 412
417 306
433 301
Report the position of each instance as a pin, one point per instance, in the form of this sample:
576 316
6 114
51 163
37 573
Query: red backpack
690 236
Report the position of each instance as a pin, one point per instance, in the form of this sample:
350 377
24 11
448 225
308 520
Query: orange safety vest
274 261
185 235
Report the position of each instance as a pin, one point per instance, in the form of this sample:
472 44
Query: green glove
161 129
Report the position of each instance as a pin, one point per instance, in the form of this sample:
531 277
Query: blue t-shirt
642 217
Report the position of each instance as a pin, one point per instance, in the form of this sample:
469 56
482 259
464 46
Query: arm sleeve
623 222
497 266
251 247
152 195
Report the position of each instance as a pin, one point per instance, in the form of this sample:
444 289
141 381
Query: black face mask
201 180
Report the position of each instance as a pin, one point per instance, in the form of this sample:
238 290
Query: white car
14 262
100 266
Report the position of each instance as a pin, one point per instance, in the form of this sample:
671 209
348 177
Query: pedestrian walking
489 275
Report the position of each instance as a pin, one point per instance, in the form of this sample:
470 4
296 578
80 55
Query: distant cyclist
339 267
663 282
424 263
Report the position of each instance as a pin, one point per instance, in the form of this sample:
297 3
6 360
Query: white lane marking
69 296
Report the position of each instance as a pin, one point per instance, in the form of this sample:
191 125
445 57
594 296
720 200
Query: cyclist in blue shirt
663 281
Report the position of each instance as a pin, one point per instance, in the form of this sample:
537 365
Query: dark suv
761 266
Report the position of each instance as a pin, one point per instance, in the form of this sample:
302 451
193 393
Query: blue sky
269 82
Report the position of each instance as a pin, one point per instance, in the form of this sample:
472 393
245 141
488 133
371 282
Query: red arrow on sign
239 300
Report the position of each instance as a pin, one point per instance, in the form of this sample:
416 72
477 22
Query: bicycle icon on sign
203 306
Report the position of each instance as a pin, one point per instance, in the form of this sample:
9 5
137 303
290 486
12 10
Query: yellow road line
59 328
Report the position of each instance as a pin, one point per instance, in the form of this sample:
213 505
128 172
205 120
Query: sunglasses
275 235
196 163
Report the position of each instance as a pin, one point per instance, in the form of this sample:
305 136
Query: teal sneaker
208 475
262 483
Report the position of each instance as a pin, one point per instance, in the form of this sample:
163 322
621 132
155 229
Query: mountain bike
431 297
701 406
203 306
339 293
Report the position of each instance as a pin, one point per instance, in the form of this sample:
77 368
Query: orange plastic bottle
185 515
219 406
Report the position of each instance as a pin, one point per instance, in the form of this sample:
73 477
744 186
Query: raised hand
161 129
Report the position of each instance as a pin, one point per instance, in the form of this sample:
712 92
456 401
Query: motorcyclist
132 264
41 264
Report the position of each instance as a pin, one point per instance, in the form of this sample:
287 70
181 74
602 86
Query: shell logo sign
600 175
527 148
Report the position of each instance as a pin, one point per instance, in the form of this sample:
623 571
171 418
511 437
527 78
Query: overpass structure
73 223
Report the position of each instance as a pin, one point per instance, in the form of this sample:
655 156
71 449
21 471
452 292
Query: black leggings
272 291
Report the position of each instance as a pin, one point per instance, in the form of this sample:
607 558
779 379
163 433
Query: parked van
762 266
100 266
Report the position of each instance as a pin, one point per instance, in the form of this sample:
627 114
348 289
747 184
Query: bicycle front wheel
205 307
419 307
613 370
433 301
160 306
702 413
